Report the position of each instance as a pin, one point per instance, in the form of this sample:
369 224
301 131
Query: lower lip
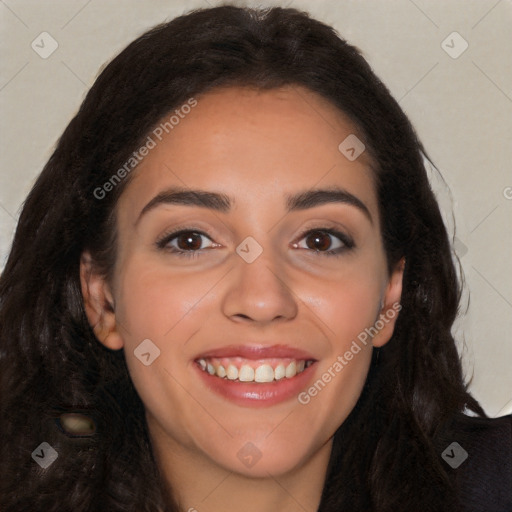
257 394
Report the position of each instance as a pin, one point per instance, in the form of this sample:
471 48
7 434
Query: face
256 296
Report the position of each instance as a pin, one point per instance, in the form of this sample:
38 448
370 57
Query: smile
246 370
254 375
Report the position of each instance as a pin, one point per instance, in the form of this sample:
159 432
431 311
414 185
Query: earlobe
99 304
390 306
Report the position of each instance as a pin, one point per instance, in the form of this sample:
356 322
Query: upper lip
257 352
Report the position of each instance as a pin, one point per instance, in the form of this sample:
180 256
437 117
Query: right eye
184 242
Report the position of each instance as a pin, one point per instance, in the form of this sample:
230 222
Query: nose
259 292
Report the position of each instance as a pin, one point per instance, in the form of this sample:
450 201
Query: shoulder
479 453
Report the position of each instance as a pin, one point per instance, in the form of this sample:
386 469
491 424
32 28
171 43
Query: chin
261 460
270 465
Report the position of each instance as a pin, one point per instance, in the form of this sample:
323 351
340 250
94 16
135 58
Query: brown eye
188 241
318 241
326 242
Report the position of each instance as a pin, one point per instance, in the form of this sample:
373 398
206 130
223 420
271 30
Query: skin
256 147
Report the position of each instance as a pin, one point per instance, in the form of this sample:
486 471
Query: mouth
255 376
238 369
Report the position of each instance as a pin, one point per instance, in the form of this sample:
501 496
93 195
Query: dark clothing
484 478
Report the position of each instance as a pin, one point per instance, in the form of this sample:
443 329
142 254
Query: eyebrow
222 203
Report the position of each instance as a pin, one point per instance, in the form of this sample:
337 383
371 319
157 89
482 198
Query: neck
200 485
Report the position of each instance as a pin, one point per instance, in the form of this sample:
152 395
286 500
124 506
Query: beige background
461 108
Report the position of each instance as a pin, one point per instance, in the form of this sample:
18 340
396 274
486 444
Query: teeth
279 372
232 372
291 370
264 372
246 374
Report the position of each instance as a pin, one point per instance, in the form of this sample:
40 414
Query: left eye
320 240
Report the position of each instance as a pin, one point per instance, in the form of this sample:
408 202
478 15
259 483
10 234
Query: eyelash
348 243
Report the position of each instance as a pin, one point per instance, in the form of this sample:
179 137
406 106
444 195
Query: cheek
342 372
347 304
154 302
166 309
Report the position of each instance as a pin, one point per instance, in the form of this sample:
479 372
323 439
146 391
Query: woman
233 266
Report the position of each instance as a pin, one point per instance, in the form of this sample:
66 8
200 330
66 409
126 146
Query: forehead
252 144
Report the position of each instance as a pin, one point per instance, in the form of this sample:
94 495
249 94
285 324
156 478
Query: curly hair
385 456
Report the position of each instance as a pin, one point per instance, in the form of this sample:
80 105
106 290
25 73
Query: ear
390 306
99 304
